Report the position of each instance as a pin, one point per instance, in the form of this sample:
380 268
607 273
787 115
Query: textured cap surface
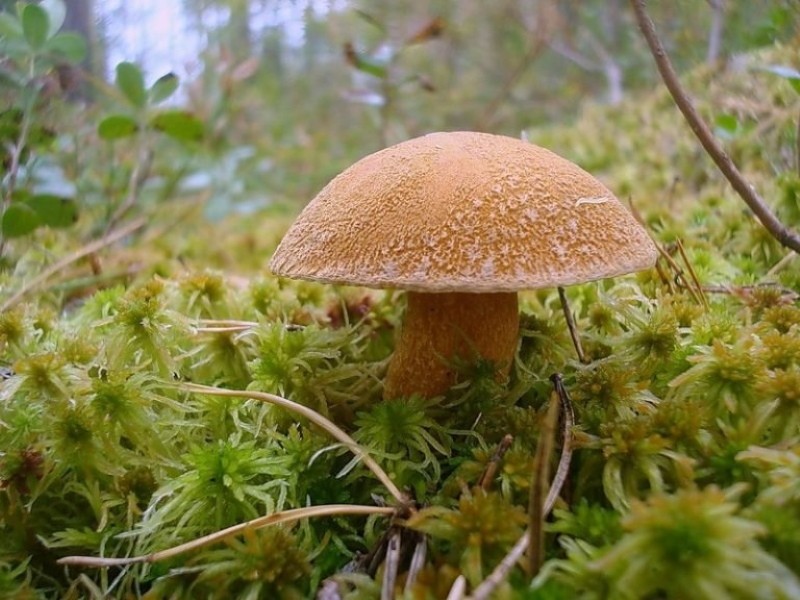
463 212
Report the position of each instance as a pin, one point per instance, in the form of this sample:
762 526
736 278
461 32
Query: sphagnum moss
681 404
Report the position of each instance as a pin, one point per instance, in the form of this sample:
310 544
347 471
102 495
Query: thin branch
756 203
71 258
487 477
573 328
571 54
286 516
312 416
137 179
539 41
698 286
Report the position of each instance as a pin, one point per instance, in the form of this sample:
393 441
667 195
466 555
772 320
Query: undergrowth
687 450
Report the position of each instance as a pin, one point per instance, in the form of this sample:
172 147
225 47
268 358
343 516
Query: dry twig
88 249
486 478
286 516
763 213
573 328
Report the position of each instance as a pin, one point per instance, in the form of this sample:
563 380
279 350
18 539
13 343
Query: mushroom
462 221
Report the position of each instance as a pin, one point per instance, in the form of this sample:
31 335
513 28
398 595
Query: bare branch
573 328
756 203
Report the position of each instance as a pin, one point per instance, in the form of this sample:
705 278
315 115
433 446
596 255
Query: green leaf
131 82
35 26
70 46
358 62
163 88
791 74
179 124
54 211
10 27
727 124
57 13
115 127
18 220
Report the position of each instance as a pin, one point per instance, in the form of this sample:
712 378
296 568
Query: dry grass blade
417 563
573 329
286 516
391 566
226 323
458 588
312 416
228 329
698 286
541 465
485 481
679 278
88 249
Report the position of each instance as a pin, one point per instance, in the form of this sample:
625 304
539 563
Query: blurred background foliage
292 91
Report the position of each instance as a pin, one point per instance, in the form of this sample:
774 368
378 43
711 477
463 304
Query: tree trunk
80 19
715 32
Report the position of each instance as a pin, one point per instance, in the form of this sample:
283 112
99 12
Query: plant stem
753 200
140 173
573 328
286 516
16 155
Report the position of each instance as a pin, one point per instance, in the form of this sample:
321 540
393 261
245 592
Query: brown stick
91 248
756 203
573 328
485 482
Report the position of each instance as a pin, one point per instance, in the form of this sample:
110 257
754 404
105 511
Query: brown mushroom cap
463 212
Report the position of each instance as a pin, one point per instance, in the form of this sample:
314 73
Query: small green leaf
179 124
54 211
10 27
791 74
728 124
35 25
163 88
18 220
131 82
70 46
57 13
360 63
115 127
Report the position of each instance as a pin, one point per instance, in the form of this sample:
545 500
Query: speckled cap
463 212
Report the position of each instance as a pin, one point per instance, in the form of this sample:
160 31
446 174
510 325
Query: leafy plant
35 191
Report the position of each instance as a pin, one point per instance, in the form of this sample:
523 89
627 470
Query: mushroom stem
441 329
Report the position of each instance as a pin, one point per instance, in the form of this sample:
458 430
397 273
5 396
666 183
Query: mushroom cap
463 212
